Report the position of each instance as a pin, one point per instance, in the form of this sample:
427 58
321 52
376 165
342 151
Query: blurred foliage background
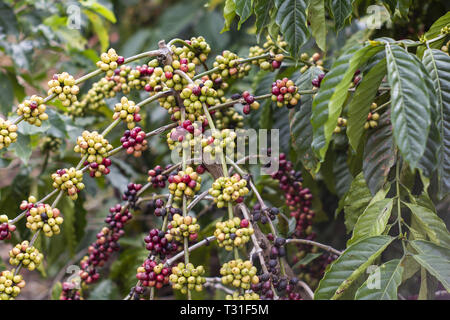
36 41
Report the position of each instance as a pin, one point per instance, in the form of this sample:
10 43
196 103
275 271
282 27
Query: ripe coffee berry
70 292
187 277
158 244
228 189
42 216
5 228
285 93
64 87
8 133
134 141
316 82
157 178
160 210
10 285
128 111
153 274
233 233
251 103
33 110
239 274
130 194
27 255
183 227
68 180
186 183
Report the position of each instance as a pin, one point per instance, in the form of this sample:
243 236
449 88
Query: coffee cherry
42 216
229 67
156 177
285 93
201 49
233 233
69 291
64 87
51 144
158 244
186 183
372 118
10 285
134 141
220 142
341 123
27 255
228 118
239 274
153 274
109 61
33 110
96 148
8 133
274 62
183 227
5 228
316 82
228 189
128 112
130 194
68 180
187 277
245 296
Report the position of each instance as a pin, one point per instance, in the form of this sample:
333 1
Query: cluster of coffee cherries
275 49
233 233
239 274
158 206
228 64
228 189
64 87
5 228
68 180
94 145
130 194
8 133
158 244
69 292
285 287
186 277
316 82
157 178
264 215
194 95
219 141
250 102
109 61
94 98
228 118
33 110
10 284
51 144
201 49
128 111
134 141
314 60
42 216
107 242
341 125
183 227
187 136
276 251
246 296
185 182
27 255
152 274
372 118
285 93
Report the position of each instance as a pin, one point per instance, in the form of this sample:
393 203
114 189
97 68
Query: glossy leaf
342 10
244 10
349 266
229 12
291 18
410 110
316 16
262 12
357 200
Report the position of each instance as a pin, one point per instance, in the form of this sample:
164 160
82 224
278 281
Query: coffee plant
199 206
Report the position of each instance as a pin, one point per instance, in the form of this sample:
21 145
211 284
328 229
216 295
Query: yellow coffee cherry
183 227
68 180
239 273
228 189
64 87
128 111
27 255
94 145
33 110
187 277
8 133
233 233
10 284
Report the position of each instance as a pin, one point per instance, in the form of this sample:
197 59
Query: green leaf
435 259
410 108
391 5
67 208
229 12
389 276
99 29
349 266
379 154
364 96
373 221
56 291
244 10
436 27
291 18
356 201
6 94
316 15
403 7
262 12
300 124
99 9
22 147
437 63
307 259
320 109
105 290
431 223
342 10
